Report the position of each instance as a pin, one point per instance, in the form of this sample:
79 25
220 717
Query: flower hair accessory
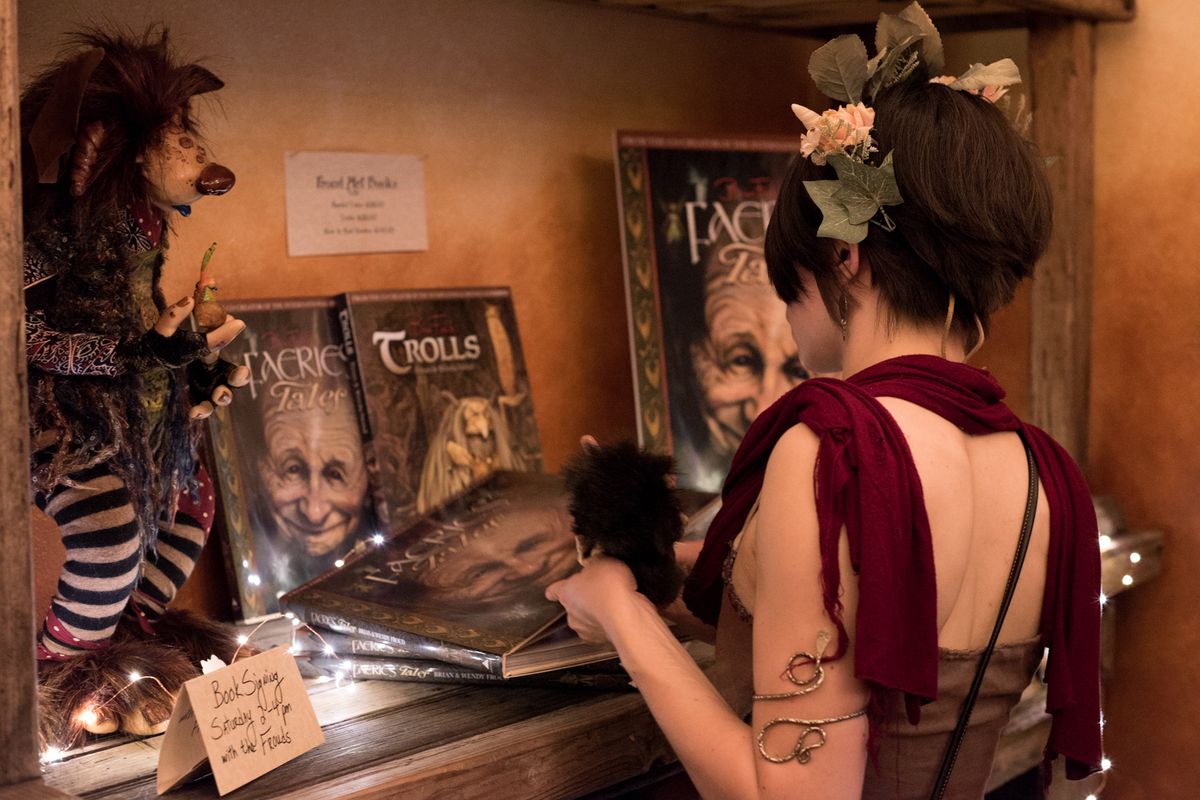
908 47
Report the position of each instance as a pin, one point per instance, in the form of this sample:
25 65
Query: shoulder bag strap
964 716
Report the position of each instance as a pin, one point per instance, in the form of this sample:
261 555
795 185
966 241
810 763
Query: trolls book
287 453
464 584
441 393
710 345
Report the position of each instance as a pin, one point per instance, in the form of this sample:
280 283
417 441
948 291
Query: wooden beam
18 683
816 17
1099 10
1062 60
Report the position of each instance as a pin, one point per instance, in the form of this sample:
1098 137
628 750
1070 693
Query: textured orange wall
1144 430
512 103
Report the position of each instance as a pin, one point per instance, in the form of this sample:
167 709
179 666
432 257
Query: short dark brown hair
976 214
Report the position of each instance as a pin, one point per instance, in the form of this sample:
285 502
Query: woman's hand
594 595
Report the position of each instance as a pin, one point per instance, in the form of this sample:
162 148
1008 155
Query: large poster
711 346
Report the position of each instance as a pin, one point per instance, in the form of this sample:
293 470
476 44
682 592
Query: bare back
975 490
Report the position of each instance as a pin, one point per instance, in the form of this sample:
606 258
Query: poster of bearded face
710 343
289 456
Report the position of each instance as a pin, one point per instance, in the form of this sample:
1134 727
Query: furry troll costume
109 149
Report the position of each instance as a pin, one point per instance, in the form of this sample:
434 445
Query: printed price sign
244 720
354 203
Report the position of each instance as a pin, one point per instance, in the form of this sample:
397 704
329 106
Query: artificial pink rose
992 93
860 119
810 143
835 130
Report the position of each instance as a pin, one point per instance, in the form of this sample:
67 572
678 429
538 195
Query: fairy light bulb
89 716
135 676
329 650
341 562
377 538
1127 580
1105 764
1106 542
295 622
1103 599
52 755
242 639
1092 797
1135 557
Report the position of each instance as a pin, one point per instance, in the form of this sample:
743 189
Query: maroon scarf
865 479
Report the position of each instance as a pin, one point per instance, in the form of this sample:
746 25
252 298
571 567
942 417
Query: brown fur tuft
196 637
101 679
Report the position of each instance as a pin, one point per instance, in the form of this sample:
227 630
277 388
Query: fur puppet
110 155
625 506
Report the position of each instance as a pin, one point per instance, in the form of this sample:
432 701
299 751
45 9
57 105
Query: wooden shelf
384 738
822 16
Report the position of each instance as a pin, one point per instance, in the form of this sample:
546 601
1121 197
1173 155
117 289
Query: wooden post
1062 60
18 687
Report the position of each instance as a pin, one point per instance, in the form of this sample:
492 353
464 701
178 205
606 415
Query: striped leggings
104 570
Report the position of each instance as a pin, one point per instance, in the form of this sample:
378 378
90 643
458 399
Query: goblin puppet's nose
215 179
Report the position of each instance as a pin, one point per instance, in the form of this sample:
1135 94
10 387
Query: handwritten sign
244 720
354 203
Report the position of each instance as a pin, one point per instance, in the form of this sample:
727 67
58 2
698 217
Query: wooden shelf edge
32 790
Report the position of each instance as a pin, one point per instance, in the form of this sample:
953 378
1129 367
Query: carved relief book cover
288 457
442 393
710 345
464 584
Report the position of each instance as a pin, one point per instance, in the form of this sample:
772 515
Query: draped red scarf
865 480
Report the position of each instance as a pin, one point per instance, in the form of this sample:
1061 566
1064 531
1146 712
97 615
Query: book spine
401 642
425 671
221 519
357 388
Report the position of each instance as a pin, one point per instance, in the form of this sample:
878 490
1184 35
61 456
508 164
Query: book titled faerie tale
441 392
465 583
287 454
710 346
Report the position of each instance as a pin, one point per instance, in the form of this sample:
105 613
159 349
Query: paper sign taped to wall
243 721
354 203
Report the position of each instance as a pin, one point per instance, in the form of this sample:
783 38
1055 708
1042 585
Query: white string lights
90 715
1106 544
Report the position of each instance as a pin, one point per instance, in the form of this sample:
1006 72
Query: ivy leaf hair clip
908 47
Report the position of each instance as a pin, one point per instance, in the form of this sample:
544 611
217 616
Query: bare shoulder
787 502
788 482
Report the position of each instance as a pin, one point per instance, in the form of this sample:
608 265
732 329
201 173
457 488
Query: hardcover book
604 675
710 345
287 455
441 391
465 584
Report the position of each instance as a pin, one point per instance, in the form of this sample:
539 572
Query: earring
949 324
978 342
843 309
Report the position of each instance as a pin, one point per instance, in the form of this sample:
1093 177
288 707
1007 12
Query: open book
464 584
